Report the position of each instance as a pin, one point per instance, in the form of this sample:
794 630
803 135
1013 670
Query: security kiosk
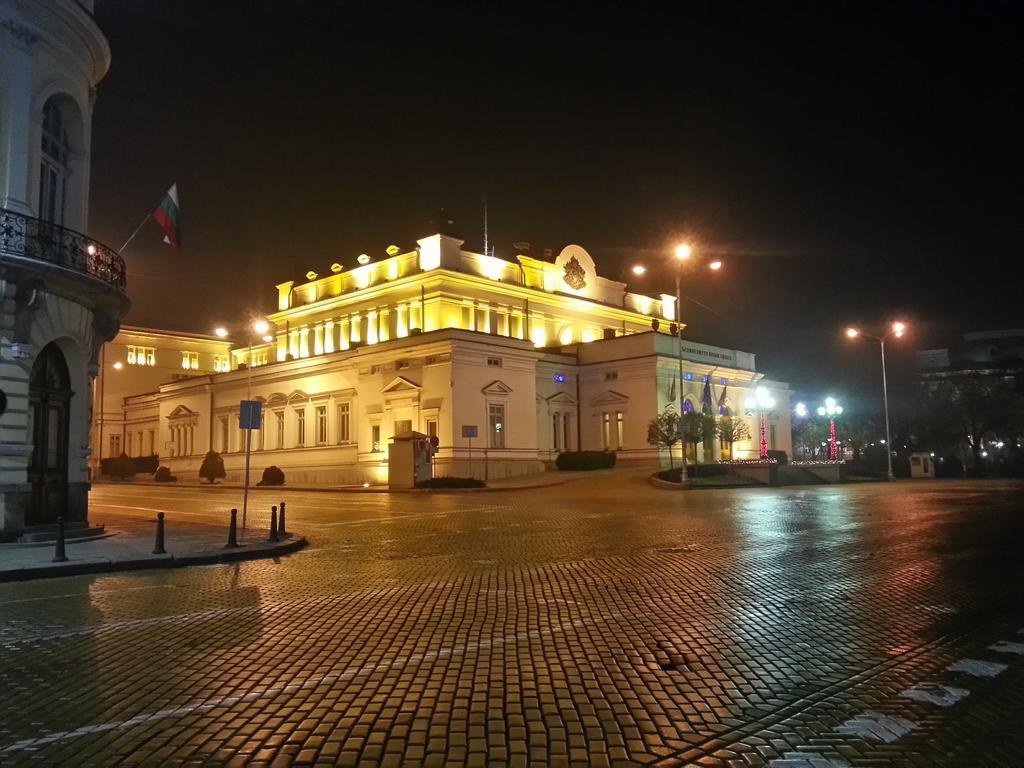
409 460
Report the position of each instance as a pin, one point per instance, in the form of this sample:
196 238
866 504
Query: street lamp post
831 409
261 327
761 402
682 254
897 329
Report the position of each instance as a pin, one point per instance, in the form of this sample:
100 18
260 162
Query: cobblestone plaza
601 622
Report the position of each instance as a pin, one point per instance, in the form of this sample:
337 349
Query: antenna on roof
486 249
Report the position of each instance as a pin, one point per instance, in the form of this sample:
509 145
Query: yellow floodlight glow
118 365
639 269
261 326
852 333
221 331
715 265
683 252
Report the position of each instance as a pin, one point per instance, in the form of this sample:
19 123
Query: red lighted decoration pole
831 409
762 402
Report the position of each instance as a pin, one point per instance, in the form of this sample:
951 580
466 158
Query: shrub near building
585 460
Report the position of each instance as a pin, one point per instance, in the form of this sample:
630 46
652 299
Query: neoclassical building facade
63 293
506 362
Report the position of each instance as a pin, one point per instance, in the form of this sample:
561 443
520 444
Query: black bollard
280 523
273 524
58 555
233 531
158 546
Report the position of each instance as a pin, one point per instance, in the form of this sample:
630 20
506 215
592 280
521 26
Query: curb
168 561
334 489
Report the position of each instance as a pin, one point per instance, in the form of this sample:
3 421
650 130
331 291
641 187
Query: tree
732 430
213 467
693 427
663 431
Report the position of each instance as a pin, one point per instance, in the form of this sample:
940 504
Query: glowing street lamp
761 402
897 329
682 254
831 409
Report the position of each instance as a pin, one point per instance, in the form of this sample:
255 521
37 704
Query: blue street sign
469 430
250 414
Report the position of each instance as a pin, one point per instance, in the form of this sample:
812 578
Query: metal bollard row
158 546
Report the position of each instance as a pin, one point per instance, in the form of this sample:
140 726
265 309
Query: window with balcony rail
53 165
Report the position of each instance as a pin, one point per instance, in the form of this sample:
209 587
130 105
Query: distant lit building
540 356
63 293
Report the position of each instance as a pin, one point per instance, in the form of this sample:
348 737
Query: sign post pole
245 489
469 431
250 416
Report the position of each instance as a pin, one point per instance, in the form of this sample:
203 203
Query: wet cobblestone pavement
600 623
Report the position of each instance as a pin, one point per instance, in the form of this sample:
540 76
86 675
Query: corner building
538 356
62 293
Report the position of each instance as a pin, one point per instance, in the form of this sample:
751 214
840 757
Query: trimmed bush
163 475
451 482
122 468
272 475
146 465
585 460
779 456
213 467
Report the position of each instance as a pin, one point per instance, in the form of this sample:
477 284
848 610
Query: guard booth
409 459
921 465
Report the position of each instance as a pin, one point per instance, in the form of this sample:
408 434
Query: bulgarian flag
168 216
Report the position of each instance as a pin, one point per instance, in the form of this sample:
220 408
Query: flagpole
126 242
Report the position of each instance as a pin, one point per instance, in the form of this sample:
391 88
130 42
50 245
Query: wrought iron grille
33 238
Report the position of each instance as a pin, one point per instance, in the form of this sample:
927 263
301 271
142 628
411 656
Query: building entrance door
49 400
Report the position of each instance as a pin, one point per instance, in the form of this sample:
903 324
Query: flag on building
168 216
723 400
672 390
707 405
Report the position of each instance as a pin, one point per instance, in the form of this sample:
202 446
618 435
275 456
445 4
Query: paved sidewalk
129 546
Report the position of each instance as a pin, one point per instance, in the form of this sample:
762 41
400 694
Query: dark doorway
49 402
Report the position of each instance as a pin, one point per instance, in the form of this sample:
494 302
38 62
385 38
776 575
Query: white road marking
1005 646
977 667
877 726
89 594
934 693
806 760
309 682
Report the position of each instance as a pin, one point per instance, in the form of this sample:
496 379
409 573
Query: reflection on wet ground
598 623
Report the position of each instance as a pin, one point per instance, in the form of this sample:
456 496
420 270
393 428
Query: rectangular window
128 444
494 362
344 429
321 425
141 356
771 436
138 443
152 442
556 427
300 427
220 363
279 424
115 445
375 437
403 425
224 434
432 427
606 430
619 428
496 425
611 376
190 360
566 431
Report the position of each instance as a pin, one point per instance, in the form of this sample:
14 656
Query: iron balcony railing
32 238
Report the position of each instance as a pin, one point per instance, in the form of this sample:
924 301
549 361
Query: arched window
687 406
53 164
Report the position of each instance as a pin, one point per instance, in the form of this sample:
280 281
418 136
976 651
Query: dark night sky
850 162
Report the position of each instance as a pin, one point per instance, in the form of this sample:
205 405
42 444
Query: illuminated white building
540 356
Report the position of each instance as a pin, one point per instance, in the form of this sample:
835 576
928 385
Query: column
401 321
386 331
318 339
329 336
16 180
371 327
293 343
303 341
282 346
355 337
343 333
